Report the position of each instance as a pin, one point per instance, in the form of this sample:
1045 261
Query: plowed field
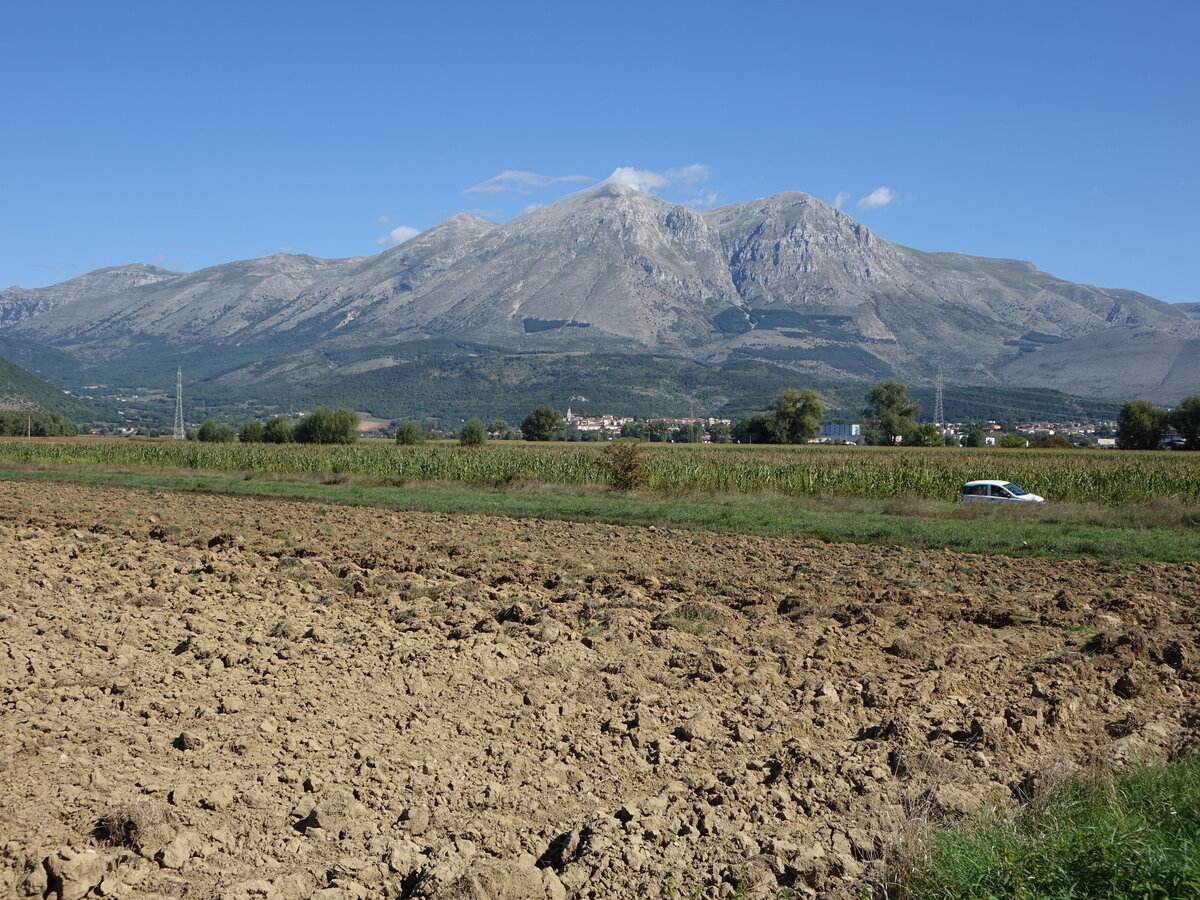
208 697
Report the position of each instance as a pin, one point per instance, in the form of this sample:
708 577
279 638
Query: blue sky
187 135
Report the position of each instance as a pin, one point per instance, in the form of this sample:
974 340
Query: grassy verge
1066 532
1133 836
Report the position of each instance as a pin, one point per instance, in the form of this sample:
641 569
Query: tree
211 432
1012 442
410 433
719 433
1185 418
473 433
890 412
327 426
636 429
926 435
498 427
543 424
757 430
1141 426
278 430
974 438
657 430
251 432
797 415
688 434
14 423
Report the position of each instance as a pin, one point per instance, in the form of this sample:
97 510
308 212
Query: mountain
786 280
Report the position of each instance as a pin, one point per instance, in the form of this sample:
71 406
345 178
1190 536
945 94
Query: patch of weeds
1100 834
138 825
697 619
1083 628
406 615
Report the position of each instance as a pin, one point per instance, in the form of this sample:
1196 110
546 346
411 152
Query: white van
997 491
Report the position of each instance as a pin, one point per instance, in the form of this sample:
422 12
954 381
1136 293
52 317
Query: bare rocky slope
786 279
210 697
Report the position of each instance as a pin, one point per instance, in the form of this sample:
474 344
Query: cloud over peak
647 181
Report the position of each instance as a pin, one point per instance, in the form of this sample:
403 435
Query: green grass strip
1133 836
928 525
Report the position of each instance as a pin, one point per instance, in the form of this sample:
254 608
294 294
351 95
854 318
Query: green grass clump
1101 837
698 619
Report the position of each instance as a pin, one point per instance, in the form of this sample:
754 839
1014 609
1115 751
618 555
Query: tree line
793 417
35 424
322 426
1143 426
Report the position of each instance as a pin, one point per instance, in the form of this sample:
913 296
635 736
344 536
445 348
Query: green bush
622 462
473 433
212 433
278 430
1135 835
251 432
410 433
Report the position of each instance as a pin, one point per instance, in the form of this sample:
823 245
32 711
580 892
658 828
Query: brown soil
217 697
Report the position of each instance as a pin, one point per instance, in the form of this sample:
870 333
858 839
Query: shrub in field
410 433
473 433
623 464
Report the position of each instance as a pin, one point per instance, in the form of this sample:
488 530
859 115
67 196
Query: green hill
23 391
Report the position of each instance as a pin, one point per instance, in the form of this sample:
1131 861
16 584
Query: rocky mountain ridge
786 279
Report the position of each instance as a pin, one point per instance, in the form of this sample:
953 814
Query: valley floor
207 696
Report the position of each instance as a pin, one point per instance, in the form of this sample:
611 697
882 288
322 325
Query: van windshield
1016 491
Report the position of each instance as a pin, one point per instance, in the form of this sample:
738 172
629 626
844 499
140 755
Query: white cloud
647 181
383 220
707 198
840 200
520 182
881 196
689 174
638 179
398 235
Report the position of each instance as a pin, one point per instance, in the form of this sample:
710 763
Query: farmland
700 687
1107 478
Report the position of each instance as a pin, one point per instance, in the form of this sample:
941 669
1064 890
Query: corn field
1106 477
